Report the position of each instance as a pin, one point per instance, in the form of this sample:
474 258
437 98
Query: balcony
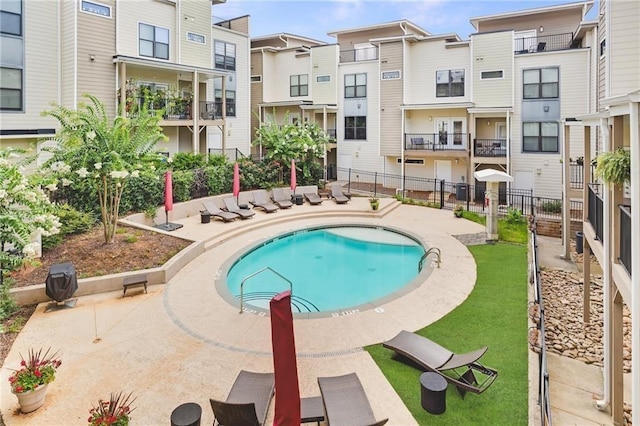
332 135
545 43
359 55
436 141
596 209
576 174
210 110
490 147
625 237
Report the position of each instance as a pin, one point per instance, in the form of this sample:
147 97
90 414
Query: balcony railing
332 135
210 110
545 43
490 147
358 55
595 209
436 141
625 237
576 174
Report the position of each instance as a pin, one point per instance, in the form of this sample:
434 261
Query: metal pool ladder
257 273
431 250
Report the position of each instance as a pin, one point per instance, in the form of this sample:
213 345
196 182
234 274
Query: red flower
37 373
19 389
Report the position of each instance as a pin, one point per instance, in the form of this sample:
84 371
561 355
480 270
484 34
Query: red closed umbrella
293 175
284 361
168 204
236 181
168 192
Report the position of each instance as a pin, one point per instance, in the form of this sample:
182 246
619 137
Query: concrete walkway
574 385
183 342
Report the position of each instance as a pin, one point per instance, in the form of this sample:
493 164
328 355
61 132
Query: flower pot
375 205
32 400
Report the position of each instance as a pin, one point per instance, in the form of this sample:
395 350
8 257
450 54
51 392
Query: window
355 86
225 55
603 47
540 137
231 101
449 83
196 38
323 79
540 83
486 75
95 8
355 128
299 85
11 17
419 161
154 41
256 78
10 89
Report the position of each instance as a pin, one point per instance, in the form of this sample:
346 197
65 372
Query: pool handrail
256 273
431 250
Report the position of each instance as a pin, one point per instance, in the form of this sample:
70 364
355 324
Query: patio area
182 342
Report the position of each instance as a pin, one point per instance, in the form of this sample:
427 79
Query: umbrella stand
168 204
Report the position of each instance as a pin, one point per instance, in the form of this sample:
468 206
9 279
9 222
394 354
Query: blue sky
314 19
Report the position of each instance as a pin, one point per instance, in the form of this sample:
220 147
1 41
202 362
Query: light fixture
538 171
457 161
92 57
430 118
546 109
541 29
488 123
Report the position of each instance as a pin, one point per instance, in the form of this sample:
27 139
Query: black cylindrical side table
433 392
297 199
205 217
188 414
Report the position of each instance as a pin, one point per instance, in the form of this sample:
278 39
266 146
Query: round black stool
188 414
433 392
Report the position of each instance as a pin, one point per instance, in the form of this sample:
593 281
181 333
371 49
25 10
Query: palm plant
109 152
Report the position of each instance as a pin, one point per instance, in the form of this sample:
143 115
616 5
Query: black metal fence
625 237
232 154
544 43
544 399
596 209
447 195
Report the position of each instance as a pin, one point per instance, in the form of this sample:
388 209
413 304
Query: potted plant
30 382
115 412
375 202
458 210
614 166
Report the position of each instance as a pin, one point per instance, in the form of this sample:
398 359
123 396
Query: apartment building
611 213
163 55
400 100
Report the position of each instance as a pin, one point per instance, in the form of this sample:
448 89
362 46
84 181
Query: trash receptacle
579 242
205 217
461 191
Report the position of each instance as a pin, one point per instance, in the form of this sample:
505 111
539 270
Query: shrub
552 206
216 160
182 184
219 179
514 216
7 305
72 222
143 193
187 161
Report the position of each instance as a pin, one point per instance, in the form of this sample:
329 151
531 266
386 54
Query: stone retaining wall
553 227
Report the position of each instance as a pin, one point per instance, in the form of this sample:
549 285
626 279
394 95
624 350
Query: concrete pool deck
182 342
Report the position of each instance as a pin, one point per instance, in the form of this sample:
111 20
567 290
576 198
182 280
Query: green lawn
494 315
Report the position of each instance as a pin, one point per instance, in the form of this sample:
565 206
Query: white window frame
256 78
190 33
325 76
82 2
391 75
411 161
154 41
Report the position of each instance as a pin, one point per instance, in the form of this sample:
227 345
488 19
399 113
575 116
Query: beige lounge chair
345 402
337 194
462 370
248 400
312 198
280 198
233 207
261 201
215 211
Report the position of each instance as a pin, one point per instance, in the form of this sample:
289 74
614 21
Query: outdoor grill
62 282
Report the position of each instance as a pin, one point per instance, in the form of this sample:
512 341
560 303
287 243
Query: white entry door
215 141
443 170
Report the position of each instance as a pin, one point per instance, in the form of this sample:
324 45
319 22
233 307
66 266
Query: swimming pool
331 269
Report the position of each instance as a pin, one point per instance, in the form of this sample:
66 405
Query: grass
507 231
494 315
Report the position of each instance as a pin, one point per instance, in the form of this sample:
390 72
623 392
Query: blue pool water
331 269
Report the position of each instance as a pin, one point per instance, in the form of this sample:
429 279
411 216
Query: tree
25 212
107 152
306 143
